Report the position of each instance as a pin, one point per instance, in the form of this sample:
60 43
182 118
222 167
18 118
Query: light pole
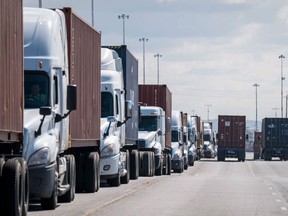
158 56
256 125
123 16
282 78
143 40
92 8
208 105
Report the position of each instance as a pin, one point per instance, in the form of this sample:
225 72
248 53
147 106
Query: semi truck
199 140
257 145
14 175
61 62
208 140
192 137
231 137
177 141
274 138
119 84
185 139
156 106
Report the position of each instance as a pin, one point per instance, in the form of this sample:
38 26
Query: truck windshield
106 104
148 123
36 89
175 137
206 137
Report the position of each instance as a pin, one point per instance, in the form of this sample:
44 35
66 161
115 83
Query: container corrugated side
161 96
275 132
12 75
130 71
231 131
84 50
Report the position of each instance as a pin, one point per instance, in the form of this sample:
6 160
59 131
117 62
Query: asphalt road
209 188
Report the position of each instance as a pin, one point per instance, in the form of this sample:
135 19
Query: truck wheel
169 165
164 166
152 164
134 164
79 173
91 173
25 183
14 187
158 172
125 179
51 202
70 194
114 182
141 166
146 164
2 206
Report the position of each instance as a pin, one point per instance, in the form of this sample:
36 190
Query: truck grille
141 143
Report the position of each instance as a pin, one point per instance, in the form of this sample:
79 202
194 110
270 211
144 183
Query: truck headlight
109 150
177 155
40 157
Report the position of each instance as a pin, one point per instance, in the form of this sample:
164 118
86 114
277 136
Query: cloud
235 1
283 13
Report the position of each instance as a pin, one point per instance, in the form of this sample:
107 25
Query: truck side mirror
159 132
129 109
71 97
44 111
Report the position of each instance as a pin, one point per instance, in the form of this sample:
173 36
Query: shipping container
275 138
84 53
231 137
11 61
161 96
130 71
257 146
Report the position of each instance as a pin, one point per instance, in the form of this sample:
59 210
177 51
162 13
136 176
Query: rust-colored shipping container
84 51
199 126
257 144
161 96
231 137
11 73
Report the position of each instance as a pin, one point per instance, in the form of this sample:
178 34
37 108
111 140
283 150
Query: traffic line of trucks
73 113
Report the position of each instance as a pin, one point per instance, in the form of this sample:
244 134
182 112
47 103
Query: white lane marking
278 200
283 208
270 188
274 194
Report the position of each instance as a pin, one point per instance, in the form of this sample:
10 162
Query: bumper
109 166
41 181
177 164
207 154
191 159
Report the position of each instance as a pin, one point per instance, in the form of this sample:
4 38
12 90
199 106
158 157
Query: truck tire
125 179
91 173
169 164
25 179
134 164
14 188
158 172
71 167
51 202
2 206
152 164
146 164
115 182
164 166
141 166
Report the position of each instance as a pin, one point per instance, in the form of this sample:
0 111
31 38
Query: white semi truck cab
208 141
114 160
48 101
151 134
177 142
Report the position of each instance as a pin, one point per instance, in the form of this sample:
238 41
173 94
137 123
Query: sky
213 51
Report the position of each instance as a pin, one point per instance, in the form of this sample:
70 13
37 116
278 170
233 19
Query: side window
117 105
55 91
